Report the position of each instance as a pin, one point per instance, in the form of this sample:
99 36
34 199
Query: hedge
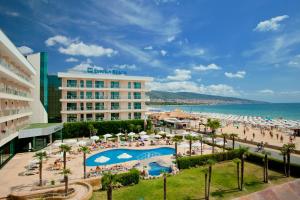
127 178
80 129
193 161
274 164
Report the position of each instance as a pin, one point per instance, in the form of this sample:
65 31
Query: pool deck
10 177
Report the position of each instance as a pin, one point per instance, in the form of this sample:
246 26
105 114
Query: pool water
156 169
115 156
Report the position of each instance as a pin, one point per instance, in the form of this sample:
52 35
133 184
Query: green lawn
189 184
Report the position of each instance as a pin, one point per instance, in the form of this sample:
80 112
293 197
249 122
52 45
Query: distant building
54 96
102 95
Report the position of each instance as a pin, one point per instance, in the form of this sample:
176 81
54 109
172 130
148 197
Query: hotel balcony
105 109
7 115
10 132
8 92
14 73
102 88
104 98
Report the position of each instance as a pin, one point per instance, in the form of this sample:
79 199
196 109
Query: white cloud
211 66
12 13
86 50
266 91
238 74
58 39
190 86
271 24
193 52
163 52
125 66
180 75
171 38
25 50
82 67
71 59
148 48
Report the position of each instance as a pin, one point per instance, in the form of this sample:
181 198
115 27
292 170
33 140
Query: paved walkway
286 191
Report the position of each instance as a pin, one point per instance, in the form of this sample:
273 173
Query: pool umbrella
161 132
107 136
194 134
124 156
102 159
170 135
145 137
81 143
131 134
142 133
95 137
158 136
118 135
196 144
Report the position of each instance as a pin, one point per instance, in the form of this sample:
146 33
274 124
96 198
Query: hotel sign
92 70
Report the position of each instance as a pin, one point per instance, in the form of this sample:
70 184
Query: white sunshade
81 143
157 136
59 143
161 132
194 134
196 144
145 136
124 156
142 133
119 134
107 135
102 159
131 134
170 135
95 137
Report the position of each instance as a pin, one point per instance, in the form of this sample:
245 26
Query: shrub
80 129
125 179
193 161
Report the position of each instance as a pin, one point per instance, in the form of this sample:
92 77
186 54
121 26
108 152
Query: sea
290 111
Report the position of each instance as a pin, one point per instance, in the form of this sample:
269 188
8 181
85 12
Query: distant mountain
162 97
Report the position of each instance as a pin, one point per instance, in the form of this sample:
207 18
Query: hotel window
82 117
99 84
89 84
137 115
129 95
129 105
99 95
129 84
89 106
114 84
71 95
89 95
99 116
71 83
137 85
89 117
81 106
115 105
71 117
99 106
129 115
137 95
71 106
115 116
81 95
137 105
115 95
82 83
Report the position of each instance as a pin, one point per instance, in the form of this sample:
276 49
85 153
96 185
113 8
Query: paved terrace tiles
286 191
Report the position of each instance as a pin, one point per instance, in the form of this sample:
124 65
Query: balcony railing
14 70
116 108
104 87
7 112
107 97
14 91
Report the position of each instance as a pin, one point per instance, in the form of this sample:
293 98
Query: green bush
125 179
274 164
193 161
80 129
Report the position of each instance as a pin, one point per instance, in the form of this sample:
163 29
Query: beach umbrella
107 136
158 136
194 134
131 134
145 137
170 135
95 137
118 135
124 156
196 144
102 159
142 133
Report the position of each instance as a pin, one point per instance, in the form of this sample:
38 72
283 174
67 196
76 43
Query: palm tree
165 186
210 163
205 171
190 138
65 148
201 144
66 172
290 148
283 153
243 151
108 182
85 150
213 125
237 161
176 140
41 155
213 142
266 165
131 127
225 136
233 136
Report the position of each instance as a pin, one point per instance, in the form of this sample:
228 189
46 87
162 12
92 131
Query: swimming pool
115 156
156 169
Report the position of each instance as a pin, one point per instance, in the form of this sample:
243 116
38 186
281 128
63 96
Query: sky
247 49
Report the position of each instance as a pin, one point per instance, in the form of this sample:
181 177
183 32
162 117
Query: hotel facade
98 95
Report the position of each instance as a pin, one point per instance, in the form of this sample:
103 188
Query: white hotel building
100 95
